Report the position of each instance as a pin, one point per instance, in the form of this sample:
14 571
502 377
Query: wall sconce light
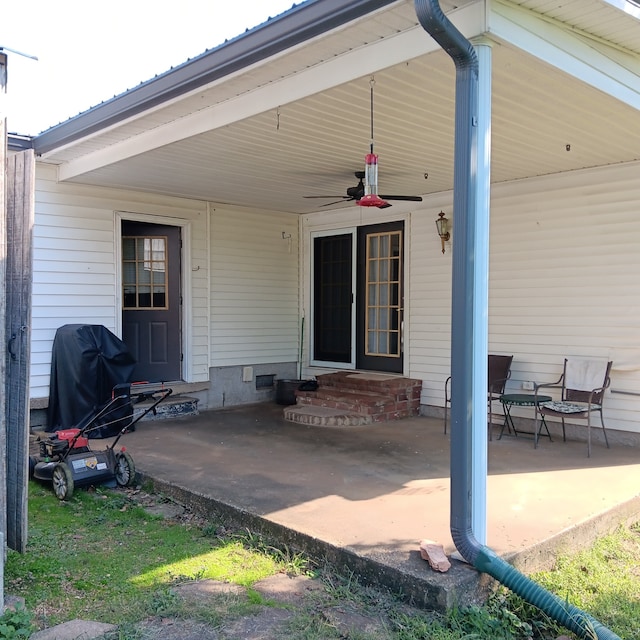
442 224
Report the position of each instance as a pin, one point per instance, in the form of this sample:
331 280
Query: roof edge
300 23
16 142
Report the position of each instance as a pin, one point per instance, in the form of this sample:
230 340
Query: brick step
363 395
325 417
347 397
371 383
367 405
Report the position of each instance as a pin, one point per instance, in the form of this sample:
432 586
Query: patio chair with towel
583 383
499 371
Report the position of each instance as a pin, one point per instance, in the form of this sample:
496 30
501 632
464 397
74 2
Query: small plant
293 563
542 626
162 602
16 623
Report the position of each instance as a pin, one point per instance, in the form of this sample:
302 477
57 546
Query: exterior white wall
254 287
563 281
75 265
563 278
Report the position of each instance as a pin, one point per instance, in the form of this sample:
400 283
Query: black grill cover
87 362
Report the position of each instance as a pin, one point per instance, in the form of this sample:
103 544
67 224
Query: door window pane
144 272
383 310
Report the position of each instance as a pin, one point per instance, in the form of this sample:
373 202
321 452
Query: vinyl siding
563 281
254 288
75 265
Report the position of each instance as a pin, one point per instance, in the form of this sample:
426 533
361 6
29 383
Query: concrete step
172 407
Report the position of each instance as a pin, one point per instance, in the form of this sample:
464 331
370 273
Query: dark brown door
380 299
151 299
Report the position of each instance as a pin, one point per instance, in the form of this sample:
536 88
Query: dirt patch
171 629
291 603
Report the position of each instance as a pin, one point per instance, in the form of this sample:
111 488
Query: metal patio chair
499 371
582 383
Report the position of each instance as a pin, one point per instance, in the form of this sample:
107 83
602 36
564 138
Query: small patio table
509 400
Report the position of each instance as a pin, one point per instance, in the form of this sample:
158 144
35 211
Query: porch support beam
481 296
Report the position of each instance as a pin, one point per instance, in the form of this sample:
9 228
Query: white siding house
239 147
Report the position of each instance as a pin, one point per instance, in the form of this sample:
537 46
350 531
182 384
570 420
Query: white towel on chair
584 375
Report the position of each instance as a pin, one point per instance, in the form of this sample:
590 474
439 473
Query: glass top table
510 400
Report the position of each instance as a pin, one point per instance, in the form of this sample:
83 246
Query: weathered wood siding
75 265
564 266
255 314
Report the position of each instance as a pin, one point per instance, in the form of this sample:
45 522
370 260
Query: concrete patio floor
364 497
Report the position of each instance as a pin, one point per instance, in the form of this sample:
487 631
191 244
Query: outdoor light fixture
442 224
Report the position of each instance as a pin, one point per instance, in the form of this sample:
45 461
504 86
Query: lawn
102 556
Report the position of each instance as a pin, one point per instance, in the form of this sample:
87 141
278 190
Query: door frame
323 231
186 340
354 240
379 363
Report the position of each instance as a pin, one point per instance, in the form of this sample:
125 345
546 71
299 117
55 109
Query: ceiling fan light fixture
371 197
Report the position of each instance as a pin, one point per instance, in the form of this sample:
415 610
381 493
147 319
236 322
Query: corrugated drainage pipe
481 557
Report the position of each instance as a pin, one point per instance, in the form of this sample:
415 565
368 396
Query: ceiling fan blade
333 196
328 204
406 198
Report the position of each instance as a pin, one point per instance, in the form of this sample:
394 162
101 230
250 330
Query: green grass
603 581
101 557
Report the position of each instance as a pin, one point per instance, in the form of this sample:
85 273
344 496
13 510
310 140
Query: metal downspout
463 351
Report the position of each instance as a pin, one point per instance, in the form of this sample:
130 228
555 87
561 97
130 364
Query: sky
89 51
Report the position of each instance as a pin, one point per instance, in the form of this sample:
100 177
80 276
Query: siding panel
563 282
254 288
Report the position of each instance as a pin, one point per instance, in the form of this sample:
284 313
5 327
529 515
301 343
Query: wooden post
3 311
20 187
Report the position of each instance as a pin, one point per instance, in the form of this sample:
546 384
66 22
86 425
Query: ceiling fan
357 193
365 193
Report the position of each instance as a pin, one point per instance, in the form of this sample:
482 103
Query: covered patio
364 497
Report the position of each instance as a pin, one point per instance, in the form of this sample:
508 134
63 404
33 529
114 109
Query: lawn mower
66 459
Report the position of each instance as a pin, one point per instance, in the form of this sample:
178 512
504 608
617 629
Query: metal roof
283 111
297 25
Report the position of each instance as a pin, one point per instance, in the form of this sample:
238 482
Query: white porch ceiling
543 121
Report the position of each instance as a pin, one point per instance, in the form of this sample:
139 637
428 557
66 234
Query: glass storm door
380 299
151 300
333 298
